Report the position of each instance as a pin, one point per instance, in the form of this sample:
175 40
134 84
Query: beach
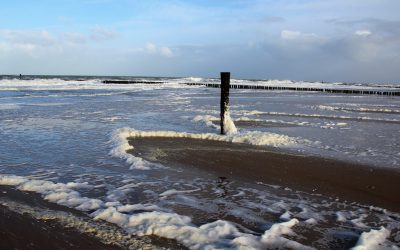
24 225
143 165
348 181
200 125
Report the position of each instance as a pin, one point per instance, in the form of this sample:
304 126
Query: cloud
74 38
28 37
34 39
304 40
273 19
42 44
165 51
375 25
154 49
366 48
98 33
374 41
290 35
351 58
363 33
151 48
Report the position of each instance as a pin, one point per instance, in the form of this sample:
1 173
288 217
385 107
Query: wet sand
20 229
352 182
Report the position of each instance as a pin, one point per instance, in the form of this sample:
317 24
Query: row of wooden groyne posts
264 87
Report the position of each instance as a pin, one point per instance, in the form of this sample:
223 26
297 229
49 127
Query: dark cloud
347 59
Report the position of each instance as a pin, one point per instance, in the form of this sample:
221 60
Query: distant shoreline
216 77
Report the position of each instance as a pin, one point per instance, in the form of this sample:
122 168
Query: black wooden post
225 80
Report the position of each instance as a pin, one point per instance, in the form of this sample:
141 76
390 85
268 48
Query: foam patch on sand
373 240
174 191
103 232
60 193
150 219
215 235
121 144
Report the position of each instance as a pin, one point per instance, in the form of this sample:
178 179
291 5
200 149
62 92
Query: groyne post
225 81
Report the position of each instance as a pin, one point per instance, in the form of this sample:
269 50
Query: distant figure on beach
20 76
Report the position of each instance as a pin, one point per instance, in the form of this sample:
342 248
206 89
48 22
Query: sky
313 40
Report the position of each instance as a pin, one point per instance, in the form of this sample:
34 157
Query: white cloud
32 37
296 35
74 38
363 33
151 48
165 51
31 40
154 49
290 35
99 33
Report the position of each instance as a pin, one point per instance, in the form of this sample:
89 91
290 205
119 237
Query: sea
65 139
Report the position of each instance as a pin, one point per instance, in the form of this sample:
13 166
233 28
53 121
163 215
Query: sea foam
373 240
214 235
121 145
149 219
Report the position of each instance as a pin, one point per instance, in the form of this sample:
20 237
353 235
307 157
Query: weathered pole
225 80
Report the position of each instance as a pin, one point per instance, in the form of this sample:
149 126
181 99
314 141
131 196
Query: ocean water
65 138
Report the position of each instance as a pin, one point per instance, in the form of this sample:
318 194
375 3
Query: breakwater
354 91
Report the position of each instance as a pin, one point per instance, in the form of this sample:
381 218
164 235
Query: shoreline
352 182
21 231
28 221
